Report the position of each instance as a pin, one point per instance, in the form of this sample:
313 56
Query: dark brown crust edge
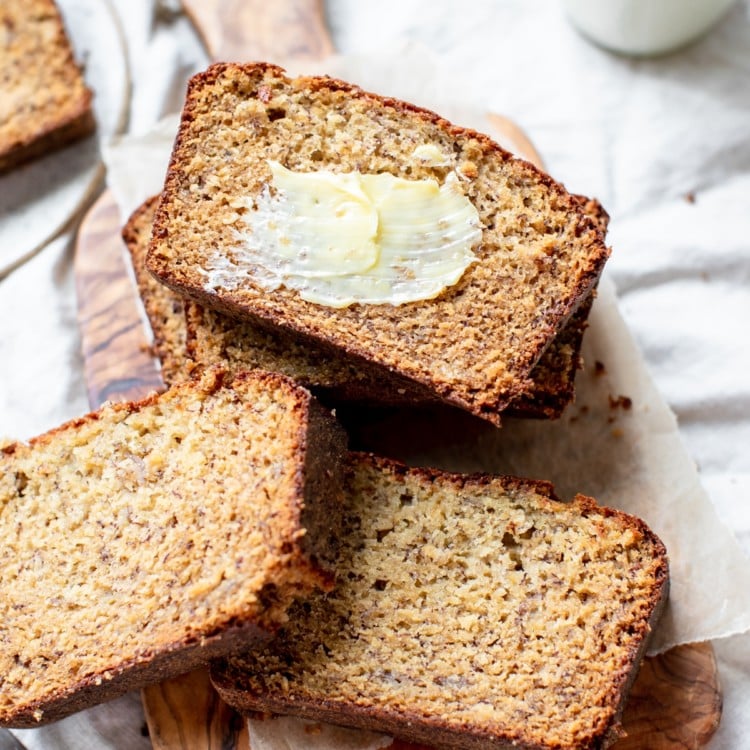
131 228
320 440
656 606
324 447
586 228
164 664
434 733
173 355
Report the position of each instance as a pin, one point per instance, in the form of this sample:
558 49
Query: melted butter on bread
345 238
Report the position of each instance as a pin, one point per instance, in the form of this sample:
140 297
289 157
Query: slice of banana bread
469 611
209 337
475 343
44 102
164 308
143 539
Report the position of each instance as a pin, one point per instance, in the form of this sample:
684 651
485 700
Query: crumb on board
620 402
599 368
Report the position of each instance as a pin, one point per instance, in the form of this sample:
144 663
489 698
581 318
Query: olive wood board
675 703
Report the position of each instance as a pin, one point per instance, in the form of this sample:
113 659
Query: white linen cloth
664 144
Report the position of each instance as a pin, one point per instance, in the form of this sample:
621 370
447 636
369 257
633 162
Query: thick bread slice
143 539
208 337
473 345
164 308
44 102
469 612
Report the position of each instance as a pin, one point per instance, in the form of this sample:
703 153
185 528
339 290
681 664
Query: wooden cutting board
676 701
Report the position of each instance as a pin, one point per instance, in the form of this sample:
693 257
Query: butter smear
345 238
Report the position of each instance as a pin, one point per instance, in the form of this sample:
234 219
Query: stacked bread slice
469 611
188 336
147 538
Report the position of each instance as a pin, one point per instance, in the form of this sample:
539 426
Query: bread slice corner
42 84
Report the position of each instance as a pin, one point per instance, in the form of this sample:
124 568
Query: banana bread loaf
536 257
469 611
44 102
140 540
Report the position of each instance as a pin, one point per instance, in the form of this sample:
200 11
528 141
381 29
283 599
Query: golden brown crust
50 103
177 525
53 137
559 656
498 346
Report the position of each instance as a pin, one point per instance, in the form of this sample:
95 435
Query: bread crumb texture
148 528
44 101
474 344
468 612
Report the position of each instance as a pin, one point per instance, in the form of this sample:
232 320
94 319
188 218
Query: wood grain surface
268 30
675 703
186 713
676 700
117 359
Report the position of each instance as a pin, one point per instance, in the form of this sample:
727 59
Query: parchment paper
619 442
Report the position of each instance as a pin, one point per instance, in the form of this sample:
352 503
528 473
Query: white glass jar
645 27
